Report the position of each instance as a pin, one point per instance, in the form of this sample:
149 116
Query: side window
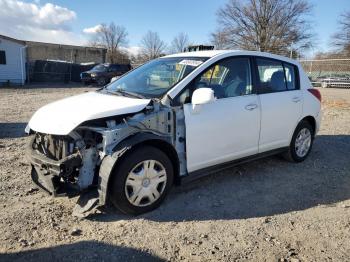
2 57
229 78
114 68
271 76
204 79
291 75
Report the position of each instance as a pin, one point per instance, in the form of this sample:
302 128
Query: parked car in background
103 73
341 82
173 119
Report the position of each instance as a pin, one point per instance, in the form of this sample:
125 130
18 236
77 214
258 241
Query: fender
109 161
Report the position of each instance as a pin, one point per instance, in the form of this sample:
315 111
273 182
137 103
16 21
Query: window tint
2 57
290 76
271 76
229 78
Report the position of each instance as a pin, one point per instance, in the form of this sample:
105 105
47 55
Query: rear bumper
48 173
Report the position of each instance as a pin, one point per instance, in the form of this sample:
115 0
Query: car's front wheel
141 180
101 81
301 143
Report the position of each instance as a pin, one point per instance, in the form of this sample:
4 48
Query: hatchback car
172 119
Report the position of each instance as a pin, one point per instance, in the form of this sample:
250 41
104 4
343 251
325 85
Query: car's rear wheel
141 181
301 143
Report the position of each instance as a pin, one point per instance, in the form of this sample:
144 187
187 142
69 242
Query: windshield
100 68
156 77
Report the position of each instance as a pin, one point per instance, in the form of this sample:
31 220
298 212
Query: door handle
296 99
251 107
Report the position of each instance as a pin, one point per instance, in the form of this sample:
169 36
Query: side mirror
202 96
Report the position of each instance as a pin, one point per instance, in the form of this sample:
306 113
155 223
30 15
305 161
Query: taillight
316 93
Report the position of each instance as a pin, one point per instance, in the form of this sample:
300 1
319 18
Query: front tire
141 181
301 143
101 81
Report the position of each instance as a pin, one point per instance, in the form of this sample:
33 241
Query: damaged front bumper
48 173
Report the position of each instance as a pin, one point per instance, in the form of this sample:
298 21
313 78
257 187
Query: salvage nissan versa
174 118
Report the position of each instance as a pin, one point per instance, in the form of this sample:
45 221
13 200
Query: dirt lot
267 210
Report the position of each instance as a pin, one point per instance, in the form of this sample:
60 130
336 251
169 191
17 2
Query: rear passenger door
280 100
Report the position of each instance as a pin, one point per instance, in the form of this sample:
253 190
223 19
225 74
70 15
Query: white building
12 60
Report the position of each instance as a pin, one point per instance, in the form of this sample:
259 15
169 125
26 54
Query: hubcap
303 142
145 183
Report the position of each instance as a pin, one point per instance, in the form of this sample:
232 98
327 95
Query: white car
172 119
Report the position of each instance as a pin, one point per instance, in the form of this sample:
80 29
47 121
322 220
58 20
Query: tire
101 81
130 184
295 155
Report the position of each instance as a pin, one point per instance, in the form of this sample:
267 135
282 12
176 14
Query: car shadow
264 187
12 130
81 251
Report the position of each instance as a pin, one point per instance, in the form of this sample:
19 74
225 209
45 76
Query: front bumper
89 78
48 173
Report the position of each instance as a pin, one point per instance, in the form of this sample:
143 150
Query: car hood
94 71
61 117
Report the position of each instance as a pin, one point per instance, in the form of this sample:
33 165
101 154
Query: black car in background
103 73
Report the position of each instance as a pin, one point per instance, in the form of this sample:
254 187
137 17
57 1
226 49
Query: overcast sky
74 22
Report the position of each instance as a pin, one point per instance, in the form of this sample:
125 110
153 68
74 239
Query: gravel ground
266 210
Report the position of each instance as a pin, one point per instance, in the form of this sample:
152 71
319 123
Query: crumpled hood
61 117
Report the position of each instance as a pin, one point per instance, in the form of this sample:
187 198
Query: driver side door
228 127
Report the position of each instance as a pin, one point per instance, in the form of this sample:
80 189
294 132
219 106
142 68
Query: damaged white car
174 118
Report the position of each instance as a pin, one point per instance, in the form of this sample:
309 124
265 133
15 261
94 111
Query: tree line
277 26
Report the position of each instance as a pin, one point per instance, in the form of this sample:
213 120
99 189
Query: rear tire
141 181
301 143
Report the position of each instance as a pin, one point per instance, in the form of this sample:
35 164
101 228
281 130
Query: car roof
213 53
210 53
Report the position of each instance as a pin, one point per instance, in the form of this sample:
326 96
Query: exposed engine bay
82 161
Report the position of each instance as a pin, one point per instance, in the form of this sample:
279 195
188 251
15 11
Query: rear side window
291 76
271 76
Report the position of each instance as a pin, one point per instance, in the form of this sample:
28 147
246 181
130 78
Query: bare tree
342 37
152 46
111 37
266 25
179 43
220 40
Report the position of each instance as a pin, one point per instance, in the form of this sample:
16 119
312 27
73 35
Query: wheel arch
124 148
311 120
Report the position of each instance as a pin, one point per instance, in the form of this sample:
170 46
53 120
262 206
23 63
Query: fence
55 71
328 72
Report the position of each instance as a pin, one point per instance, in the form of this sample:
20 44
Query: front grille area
54 147
85 75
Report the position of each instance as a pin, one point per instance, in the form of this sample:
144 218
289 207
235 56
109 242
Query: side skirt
213 169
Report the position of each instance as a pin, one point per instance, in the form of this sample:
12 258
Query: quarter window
271 76
290 76
2 57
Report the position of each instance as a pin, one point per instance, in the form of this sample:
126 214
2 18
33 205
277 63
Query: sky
75 21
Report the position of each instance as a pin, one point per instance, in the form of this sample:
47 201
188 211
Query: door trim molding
215 168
